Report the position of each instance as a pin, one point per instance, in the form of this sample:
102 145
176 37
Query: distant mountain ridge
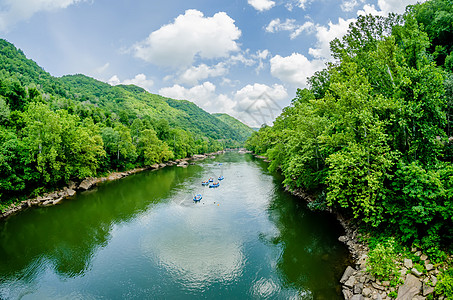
128 100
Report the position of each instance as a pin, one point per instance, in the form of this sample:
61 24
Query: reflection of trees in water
69 235
311 255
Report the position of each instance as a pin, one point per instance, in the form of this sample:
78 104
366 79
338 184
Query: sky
242 57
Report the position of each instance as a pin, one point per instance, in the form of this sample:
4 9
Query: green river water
143 237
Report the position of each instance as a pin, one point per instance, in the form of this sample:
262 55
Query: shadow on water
311 254
68 235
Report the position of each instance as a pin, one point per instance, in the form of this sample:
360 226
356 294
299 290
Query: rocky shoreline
56 197
358 284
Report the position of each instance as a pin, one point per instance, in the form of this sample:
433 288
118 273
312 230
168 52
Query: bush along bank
57 196
384 269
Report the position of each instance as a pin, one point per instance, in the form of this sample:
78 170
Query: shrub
381 260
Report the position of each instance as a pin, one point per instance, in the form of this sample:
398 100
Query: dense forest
53 130
372 135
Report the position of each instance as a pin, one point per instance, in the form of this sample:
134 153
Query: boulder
357 297
162 165
350 282
416 272
427 289
367 292
423 257
429 267
347 273
154 167
408 263
71 192
58 200
343 238
411 287
86 184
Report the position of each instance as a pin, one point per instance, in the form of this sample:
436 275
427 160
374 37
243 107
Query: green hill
242 130
53 130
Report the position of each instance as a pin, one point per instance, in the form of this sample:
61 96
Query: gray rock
427 289
347 294
416 272
154 167
418 253
358 288
411 287
386 283
347 273
350 282
423 257
434 280
162 165
357 297
47 203
343 238
71 192
86 184
367 292
377 286
429 267
408 263
58 200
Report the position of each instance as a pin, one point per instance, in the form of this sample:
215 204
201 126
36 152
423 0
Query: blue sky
242 57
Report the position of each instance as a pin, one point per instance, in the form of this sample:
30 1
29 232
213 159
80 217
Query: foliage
444 285
381 261
373 131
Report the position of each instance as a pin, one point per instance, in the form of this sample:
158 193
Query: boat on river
214 184
211 179
204 183
197 197
221 178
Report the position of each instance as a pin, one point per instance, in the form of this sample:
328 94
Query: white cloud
387 6
325 35
303 3
139 80
289 25
258 104
190 35
102 69
295 69
349 5
204 95
261 5
193 75
14 11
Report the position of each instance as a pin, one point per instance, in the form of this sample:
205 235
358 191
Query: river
143 237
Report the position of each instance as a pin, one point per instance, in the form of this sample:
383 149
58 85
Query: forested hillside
371 136
53 130
243 131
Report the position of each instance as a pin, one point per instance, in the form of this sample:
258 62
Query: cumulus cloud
139 80
258 104
261 5
384 7
14 11
295 69
204 95
193 75
325 34
289 25
190 35
349 5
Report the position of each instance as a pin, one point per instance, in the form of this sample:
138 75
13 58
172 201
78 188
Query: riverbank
57 196
418 277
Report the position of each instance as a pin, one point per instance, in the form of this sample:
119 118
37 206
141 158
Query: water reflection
143 236
68 235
